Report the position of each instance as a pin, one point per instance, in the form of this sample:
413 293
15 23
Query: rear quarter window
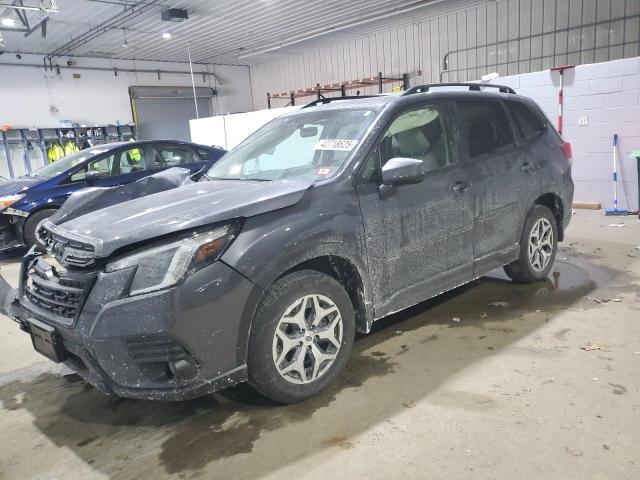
204 153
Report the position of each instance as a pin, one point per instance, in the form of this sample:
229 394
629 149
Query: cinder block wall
608 95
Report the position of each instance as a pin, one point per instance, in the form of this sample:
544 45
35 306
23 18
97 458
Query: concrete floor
507 392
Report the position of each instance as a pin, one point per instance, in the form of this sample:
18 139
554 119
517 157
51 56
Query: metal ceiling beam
22 15
51 8
129 12
42 24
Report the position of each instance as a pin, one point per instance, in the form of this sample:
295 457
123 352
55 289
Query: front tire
301 337
538 247
30 225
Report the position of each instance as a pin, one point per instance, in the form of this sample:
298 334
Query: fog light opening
182 369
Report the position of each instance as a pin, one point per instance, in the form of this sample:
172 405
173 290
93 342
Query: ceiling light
166 35
125 44
8 22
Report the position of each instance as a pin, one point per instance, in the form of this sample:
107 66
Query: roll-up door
164 112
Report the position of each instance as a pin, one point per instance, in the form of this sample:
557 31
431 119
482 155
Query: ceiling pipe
114 70
408 7
112 23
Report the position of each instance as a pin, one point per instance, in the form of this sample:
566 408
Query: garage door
164 112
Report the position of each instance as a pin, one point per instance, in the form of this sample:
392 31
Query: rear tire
538 247
30 225
301 337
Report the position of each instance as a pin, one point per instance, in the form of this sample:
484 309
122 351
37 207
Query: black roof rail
322 101
476 87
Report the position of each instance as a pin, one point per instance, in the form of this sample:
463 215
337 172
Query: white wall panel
98 97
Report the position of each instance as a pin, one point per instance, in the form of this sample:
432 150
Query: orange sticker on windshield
324 171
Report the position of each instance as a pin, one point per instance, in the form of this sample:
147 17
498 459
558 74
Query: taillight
567 150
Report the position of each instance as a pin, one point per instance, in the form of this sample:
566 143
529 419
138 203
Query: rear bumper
175 344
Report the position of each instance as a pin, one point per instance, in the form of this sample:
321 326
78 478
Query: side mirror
398 171
91 177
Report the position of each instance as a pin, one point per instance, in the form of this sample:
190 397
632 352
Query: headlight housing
167 265
8 200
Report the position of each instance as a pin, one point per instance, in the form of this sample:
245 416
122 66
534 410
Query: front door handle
526 166
460 187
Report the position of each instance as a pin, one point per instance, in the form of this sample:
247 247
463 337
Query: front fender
322 224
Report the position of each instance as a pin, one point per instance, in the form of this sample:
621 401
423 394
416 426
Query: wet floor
396 389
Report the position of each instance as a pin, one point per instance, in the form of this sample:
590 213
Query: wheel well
553 203
347 275
33 212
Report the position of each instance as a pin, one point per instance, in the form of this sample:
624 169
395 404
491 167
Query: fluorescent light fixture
8 22
166 35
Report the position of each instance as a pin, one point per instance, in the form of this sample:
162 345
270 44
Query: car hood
190 206
17 185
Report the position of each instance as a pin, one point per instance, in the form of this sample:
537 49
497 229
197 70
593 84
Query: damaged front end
86 313
130 322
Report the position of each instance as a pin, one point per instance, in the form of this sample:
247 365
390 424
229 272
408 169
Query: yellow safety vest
70 148
54 153
135 153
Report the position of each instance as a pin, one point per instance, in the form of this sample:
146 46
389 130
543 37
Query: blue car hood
189 206
17 185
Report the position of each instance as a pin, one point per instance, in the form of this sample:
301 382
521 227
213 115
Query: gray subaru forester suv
323 221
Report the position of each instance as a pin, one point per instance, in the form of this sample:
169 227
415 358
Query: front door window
121 162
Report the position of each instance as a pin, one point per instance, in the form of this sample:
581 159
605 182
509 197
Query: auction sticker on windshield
335 144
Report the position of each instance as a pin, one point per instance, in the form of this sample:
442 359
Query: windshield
312 145
65 163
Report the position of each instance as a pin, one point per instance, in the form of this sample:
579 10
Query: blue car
26 201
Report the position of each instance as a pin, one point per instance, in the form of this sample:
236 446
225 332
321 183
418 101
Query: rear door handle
526 166
460 187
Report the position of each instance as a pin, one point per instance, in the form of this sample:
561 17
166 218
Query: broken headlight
8 200
167 265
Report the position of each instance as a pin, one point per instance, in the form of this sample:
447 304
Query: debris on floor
456 319
618 225
483 315
500 304
604 300
594 346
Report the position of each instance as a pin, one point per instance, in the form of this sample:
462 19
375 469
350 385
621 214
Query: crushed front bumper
10 232
174 344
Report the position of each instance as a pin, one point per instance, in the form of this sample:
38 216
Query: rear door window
527 123
167 156
487 126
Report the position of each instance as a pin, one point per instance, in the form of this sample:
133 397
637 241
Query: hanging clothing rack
43 138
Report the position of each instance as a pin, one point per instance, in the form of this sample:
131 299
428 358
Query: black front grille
62 301
68 251
56 291
155 348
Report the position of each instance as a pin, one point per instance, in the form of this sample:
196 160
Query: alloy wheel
540 245
307 339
